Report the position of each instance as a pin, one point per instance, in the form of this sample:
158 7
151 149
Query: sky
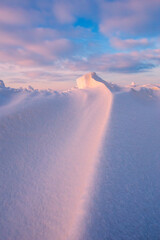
49 43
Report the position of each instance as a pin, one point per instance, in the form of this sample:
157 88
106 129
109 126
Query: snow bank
80 164
49 145
124 203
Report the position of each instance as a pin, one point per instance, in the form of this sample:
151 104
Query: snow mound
80 164
49 146
2 85
91 80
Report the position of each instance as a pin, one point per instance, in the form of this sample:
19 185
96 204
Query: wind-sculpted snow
124 203
49 145
91 80
81 164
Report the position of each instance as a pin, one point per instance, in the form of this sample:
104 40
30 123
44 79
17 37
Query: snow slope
126 193
81 164
49 145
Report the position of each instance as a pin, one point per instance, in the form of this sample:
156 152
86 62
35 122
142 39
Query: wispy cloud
132 62
123 44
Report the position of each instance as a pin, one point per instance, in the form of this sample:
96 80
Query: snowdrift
49 146
81 164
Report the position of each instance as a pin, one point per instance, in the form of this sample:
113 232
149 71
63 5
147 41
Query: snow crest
89 80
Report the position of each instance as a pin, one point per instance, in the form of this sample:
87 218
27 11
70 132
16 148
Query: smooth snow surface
80 165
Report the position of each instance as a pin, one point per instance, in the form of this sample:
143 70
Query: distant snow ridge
2 85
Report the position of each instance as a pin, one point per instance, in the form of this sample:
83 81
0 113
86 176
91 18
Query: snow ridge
81 164
49 146
91 80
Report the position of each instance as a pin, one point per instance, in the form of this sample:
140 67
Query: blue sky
52 42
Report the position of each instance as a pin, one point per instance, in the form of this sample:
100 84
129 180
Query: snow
81 164
88 81
91 80
2 84
126 193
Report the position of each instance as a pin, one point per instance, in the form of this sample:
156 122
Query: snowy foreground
82 164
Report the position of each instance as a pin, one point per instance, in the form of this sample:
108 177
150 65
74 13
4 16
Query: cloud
9 39
130 17
12 16
46 53
65 35
132 62
130 43
113 17
67 12
63 12
21 36
59 54
37 46
17 16
51 49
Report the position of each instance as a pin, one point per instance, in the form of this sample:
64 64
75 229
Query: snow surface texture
80 165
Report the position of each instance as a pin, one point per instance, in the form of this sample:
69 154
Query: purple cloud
130 17
68 11
132 62
123 44
63 12
16 16
51 49
12 16
93 35
33 46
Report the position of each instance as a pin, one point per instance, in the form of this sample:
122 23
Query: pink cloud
129 17
9 39
130 43
136 61
18 57
51 49
63 12
67 11
12 16
44 52
42 47
20 37
33 46
19 16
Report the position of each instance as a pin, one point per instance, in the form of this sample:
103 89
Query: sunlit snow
83 164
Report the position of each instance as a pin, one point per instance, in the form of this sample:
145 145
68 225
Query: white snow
89 80
81 164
